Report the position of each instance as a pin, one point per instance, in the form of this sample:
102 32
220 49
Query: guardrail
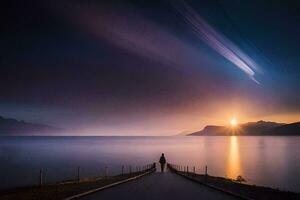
184 169
79 177
192 175
147 171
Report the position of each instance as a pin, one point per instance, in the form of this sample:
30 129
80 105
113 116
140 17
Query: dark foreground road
160 186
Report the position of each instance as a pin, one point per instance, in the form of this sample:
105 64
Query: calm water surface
262 160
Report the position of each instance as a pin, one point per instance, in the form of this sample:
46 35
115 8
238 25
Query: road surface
160 186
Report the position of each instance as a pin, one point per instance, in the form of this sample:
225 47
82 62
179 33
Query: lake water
263 160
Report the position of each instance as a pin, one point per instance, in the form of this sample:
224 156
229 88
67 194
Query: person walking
162 162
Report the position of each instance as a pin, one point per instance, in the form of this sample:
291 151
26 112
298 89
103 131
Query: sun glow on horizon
233 122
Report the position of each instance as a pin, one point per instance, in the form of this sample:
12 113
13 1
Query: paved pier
160 186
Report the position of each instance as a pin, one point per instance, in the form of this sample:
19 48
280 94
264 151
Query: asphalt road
164 186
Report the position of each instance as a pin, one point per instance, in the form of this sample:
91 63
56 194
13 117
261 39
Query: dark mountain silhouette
16 127
259 127
251 128
213 130
287 129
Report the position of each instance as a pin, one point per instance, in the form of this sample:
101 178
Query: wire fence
187 169
80 174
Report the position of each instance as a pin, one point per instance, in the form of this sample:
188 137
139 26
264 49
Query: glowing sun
233 122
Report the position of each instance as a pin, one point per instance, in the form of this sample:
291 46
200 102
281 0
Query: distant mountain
212 130
184 133
16 127
287 129
251 128
260 127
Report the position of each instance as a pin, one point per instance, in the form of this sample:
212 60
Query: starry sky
149 67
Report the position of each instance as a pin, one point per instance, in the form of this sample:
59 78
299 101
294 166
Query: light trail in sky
216 40
134 33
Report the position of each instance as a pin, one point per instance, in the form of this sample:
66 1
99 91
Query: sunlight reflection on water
233 163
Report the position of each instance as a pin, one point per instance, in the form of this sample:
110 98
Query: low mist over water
263 160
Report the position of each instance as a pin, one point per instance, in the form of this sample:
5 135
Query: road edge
108 186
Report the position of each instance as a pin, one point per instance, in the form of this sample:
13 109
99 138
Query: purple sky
151 67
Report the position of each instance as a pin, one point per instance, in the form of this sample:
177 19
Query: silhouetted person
162 162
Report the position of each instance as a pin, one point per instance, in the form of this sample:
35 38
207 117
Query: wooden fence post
41 177
78 173
106 173
205 179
